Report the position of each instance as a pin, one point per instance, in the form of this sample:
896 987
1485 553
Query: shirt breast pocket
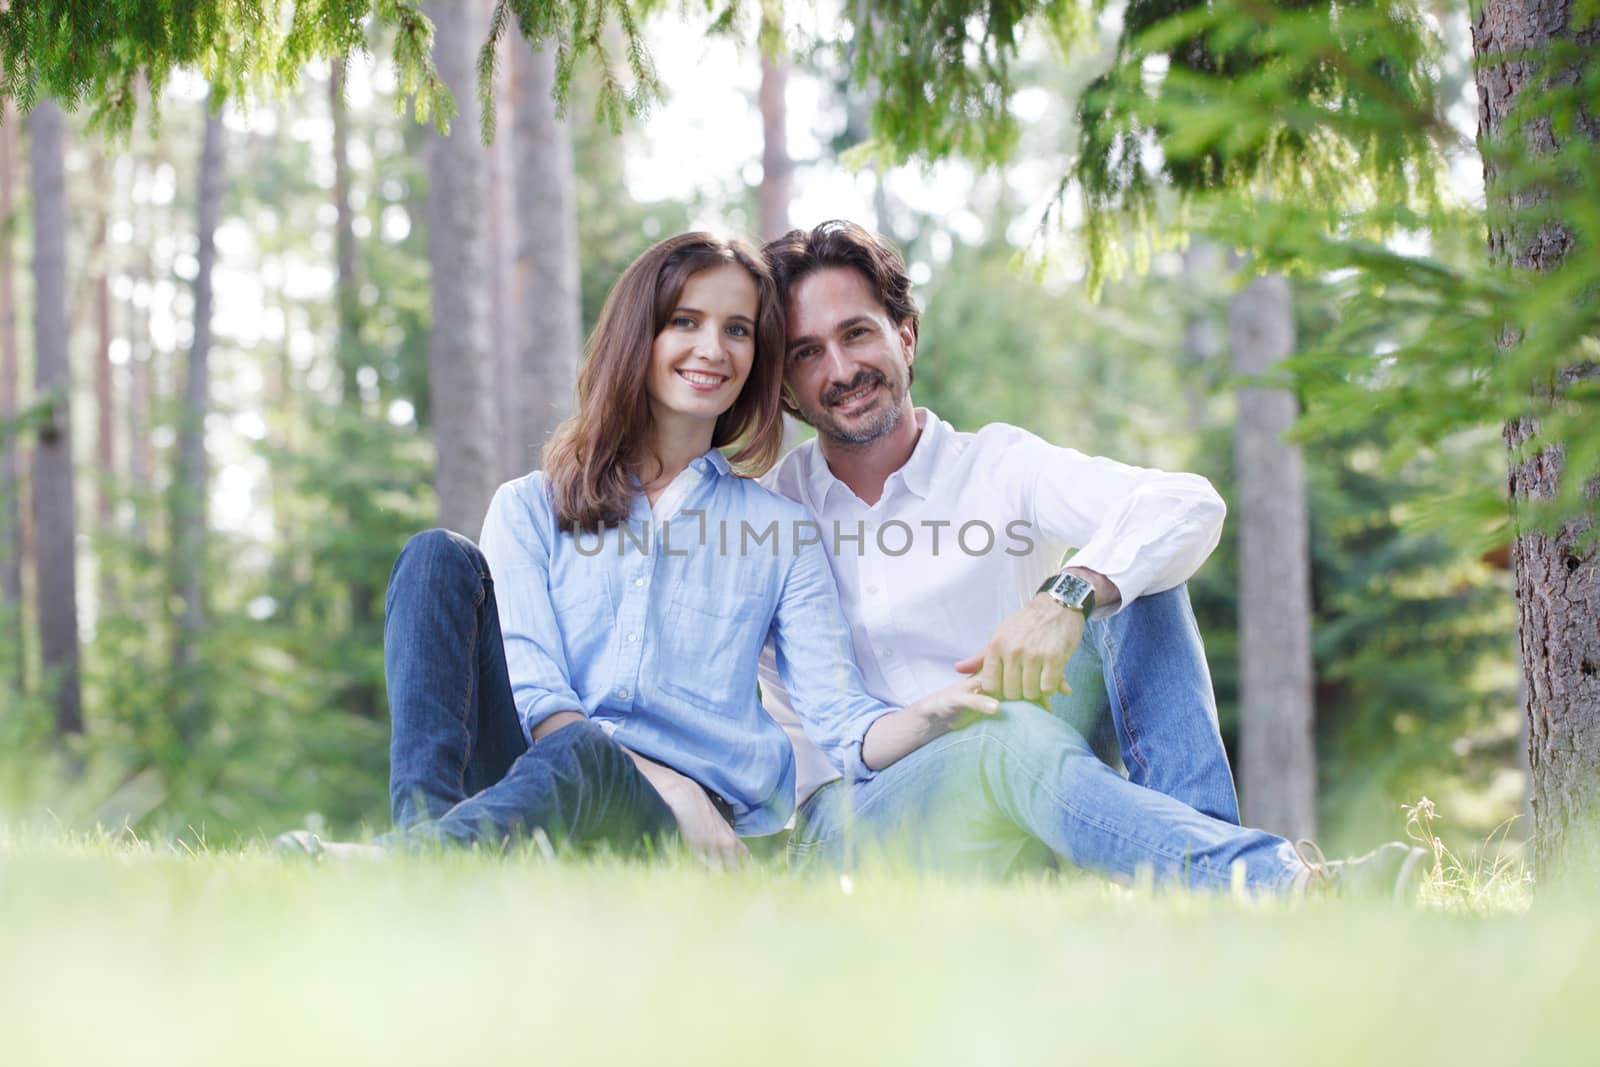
584 616
710 648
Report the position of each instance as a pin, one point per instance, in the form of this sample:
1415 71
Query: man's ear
908 339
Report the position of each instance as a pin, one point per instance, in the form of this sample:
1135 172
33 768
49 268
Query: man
946 547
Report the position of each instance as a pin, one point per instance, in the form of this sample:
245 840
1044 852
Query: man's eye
802 353
855 332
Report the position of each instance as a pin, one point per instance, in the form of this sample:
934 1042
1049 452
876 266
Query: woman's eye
683 322
739 330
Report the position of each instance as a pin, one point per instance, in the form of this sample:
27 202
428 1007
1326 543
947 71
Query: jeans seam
472 658
1135 749
1184 857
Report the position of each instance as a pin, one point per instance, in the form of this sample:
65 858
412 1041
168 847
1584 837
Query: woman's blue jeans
461 769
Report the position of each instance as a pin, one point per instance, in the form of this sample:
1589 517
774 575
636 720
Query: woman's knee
440 552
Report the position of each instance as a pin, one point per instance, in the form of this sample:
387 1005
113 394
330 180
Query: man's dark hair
799 254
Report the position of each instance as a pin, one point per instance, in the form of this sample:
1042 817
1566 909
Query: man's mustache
866 377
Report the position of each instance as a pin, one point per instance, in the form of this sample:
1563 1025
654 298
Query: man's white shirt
962 537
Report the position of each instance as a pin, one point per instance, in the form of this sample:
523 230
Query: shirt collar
916 474
716 461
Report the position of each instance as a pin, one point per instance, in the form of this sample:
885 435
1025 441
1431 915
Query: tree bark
550 337
776 166
1277 751
190 490
13 672
1557 575
361 698
460 370
54 505
503 314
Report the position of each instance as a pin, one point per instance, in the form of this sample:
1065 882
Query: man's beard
876 423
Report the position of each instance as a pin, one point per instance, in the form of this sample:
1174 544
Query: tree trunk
54 506
361 699
105 452
776 167
550 338
460 370
13 671
189 512
503 310
1277 751
1557 574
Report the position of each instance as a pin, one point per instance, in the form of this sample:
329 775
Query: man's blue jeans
1012 790
461 771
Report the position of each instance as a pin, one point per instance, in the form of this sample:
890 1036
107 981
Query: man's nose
839 368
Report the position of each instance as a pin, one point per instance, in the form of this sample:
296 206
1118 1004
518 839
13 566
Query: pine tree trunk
54 505
190 490
460 370
361 699
504 306
1557 575
13 670
1277 752
550 334
776 167
105 452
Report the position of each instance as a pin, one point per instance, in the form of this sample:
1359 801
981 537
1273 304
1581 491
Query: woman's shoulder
525 499
760 501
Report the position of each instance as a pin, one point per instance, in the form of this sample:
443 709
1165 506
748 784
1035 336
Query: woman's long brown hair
593 457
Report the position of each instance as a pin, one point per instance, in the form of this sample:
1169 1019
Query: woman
590 673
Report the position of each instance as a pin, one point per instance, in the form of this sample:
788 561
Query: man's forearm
1106 592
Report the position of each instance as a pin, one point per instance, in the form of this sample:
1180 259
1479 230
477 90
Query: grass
128 954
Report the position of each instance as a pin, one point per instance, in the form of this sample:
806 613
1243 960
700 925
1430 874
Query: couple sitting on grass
589 670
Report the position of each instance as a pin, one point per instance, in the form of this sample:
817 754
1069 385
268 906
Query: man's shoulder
787 478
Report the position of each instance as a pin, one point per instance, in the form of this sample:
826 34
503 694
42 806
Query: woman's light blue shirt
653 630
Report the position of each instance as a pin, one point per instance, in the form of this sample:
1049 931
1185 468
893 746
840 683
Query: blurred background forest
299 329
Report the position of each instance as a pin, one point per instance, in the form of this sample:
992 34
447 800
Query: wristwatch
1070 591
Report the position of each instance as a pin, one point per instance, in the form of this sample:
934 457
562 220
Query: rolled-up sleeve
1146 530
816 664
515 541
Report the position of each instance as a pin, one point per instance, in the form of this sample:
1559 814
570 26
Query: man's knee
1026 731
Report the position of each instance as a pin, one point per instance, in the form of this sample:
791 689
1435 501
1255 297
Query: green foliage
942 71
100 53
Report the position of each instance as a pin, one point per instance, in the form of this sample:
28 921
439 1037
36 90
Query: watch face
1071 590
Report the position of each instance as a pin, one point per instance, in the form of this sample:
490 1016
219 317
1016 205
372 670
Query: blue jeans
1014 790
461 770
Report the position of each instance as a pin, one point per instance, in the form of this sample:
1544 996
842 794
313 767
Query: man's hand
902 732
700 824
1028 652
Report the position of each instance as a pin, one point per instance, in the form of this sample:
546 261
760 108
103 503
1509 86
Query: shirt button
888 653
623 693
631 638
638 583
872 589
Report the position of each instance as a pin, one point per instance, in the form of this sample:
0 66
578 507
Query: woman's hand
700 824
